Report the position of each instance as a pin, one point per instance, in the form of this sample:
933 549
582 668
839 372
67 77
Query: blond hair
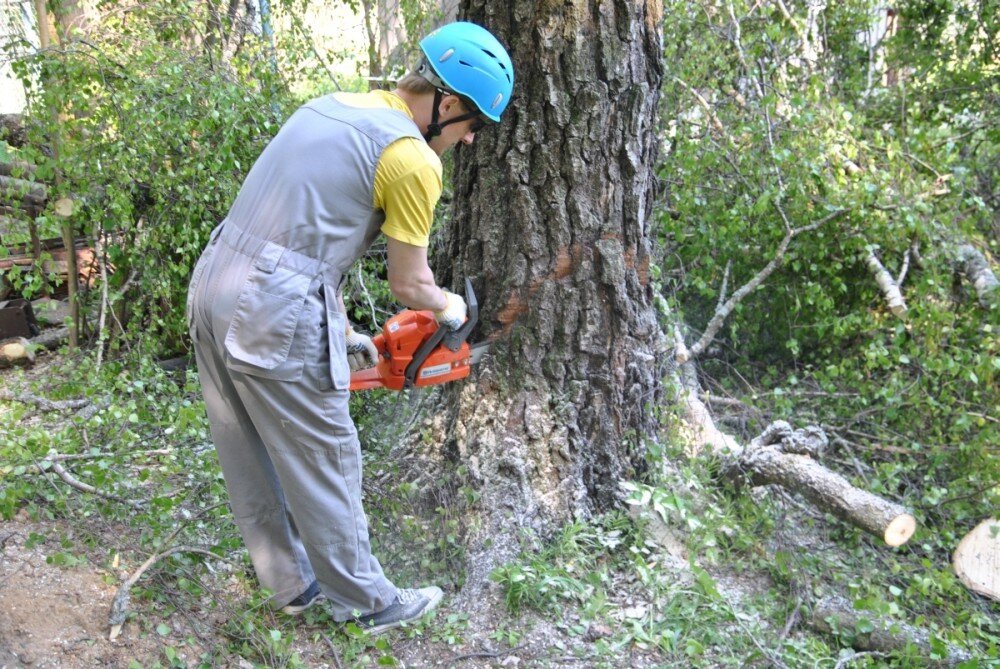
416 84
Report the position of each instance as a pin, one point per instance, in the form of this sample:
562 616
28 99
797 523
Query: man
267 320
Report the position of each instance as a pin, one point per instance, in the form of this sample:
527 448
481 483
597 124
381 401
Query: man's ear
448 103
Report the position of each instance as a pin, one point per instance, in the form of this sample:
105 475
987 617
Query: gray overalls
268 337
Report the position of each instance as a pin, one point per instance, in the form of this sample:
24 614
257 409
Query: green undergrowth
754 565
142 441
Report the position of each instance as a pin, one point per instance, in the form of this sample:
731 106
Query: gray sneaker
410 604
311 596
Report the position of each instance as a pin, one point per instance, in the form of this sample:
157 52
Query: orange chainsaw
415 351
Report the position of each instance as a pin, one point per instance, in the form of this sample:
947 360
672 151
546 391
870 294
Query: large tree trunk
550 223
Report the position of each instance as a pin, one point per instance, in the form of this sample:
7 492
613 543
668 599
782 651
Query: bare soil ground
57 616
53 616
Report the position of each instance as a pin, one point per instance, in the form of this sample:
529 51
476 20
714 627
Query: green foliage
149 128
780 141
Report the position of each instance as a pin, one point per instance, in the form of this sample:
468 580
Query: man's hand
454 312
361 352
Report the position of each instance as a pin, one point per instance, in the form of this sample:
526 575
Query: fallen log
17 168
20 210
16 352
58 263
784 457
51 339
977 559
12 130
836 615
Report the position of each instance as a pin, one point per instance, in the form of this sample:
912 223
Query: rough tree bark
550 223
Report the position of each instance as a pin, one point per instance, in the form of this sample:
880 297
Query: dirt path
56 616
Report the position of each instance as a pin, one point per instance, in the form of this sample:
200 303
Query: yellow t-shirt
407 177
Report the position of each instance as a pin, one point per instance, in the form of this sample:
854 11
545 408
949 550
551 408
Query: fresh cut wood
782 456
977 559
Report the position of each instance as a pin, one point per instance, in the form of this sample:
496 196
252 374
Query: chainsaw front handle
453 339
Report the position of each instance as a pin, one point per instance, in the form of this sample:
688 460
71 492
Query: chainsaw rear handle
453 339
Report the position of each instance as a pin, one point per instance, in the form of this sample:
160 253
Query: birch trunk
887 285
976 268
785 457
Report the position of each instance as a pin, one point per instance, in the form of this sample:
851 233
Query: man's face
464 131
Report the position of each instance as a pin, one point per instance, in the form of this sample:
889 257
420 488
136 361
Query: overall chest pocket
266 316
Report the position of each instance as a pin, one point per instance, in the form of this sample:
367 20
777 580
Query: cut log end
900 529
977 559
16 352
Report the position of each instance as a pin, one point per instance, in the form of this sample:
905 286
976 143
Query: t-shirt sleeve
407 188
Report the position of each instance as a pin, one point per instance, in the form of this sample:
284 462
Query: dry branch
836 614
119 606
73 482
53 461
890 289
723 310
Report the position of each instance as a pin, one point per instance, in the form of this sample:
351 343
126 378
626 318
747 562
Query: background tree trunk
550 223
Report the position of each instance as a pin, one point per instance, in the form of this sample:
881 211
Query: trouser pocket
265 319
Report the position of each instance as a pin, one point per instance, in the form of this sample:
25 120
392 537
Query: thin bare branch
721 313
41 402
905 268
703 103
73 482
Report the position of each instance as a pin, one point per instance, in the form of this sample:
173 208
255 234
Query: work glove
361 352
453 314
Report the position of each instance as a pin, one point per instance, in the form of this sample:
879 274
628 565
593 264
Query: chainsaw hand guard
415 351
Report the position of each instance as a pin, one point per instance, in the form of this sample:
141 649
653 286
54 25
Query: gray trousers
289 450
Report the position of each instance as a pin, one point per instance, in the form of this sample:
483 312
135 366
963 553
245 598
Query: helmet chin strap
434 128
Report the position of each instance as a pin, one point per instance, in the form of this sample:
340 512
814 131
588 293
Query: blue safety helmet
466 59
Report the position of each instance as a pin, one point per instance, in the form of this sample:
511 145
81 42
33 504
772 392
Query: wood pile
22 199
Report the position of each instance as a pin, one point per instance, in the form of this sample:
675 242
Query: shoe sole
297 610
430 606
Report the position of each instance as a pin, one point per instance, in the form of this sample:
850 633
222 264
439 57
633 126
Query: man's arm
411 279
